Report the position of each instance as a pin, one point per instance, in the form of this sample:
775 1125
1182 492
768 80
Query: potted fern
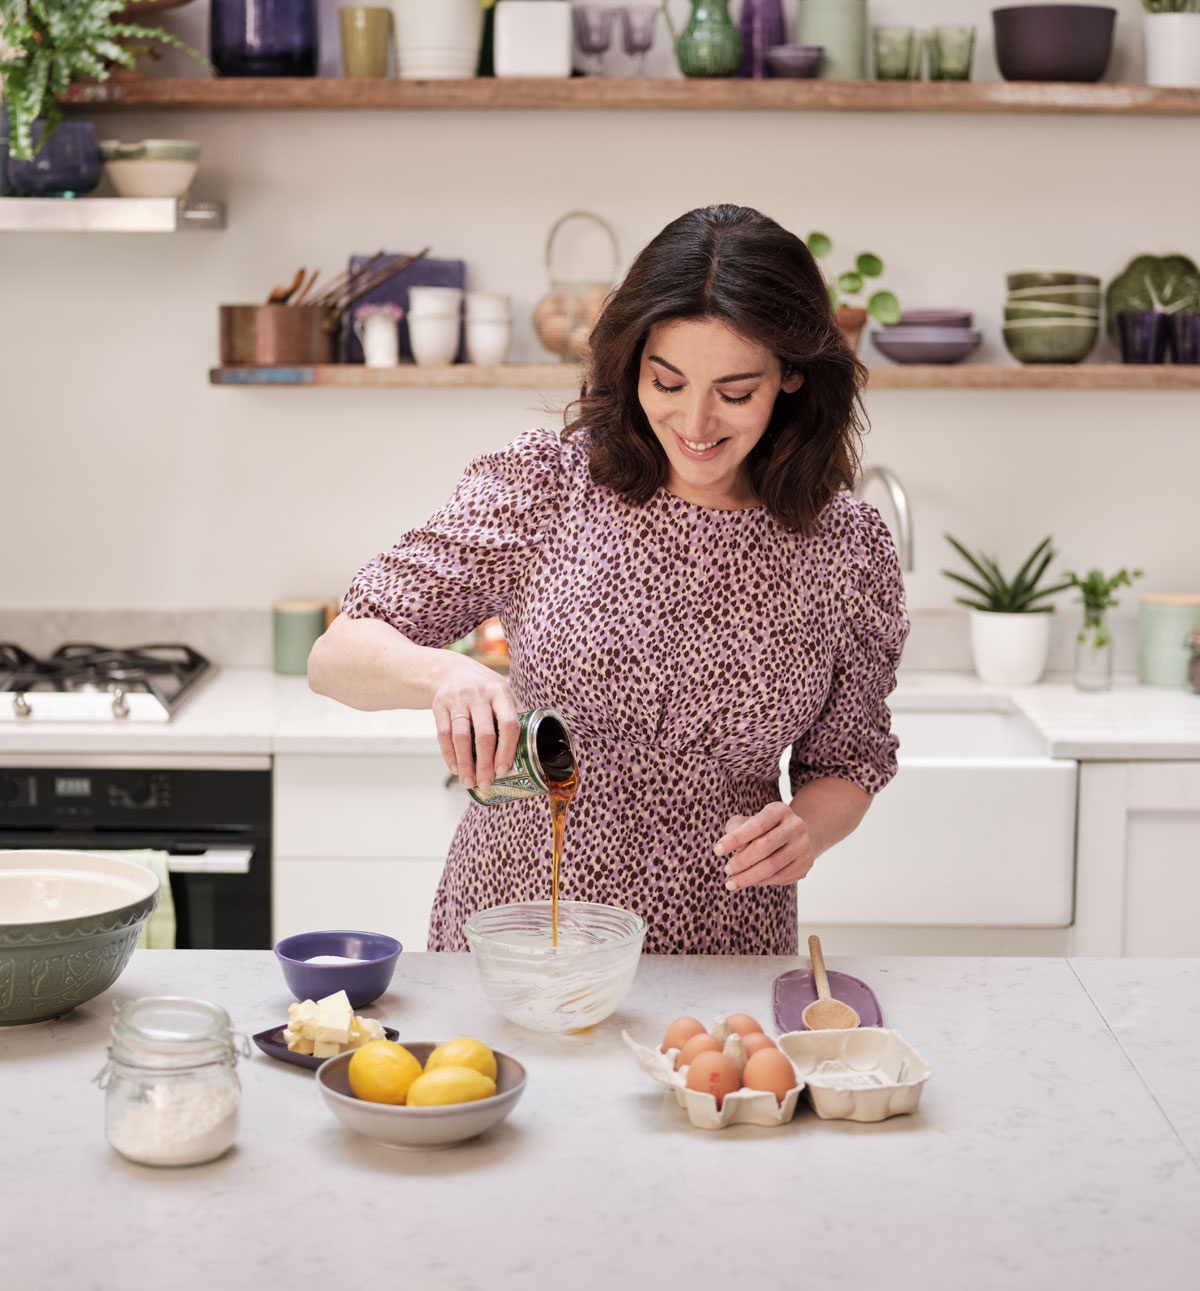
48 45
1010 619
1093 643
1171 30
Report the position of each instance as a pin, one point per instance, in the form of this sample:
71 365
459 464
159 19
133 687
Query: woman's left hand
772 847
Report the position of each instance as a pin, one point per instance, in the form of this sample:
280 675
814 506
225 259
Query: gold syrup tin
544 755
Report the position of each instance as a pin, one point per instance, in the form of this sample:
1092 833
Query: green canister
545 756
1165 624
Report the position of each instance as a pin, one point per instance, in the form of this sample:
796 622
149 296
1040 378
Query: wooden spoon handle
818 967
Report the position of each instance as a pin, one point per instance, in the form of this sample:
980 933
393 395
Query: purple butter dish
791 993
364 980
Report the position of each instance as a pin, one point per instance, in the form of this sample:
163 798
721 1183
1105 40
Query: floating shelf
586 92
565 376
108 215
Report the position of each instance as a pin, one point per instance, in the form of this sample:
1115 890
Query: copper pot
278 335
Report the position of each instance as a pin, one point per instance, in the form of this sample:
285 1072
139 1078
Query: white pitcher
379 336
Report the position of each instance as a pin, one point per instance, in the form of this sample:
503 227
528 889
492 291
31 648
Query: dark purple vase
66 165
264 37
761 27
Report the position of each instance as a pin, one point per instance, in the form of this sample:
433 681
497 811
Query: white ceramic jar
532 38
437 39
379 336
1172 48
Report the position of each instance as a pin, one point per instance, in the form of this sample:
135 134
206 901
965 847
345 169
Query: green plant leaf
1019 581
849 283
995 589
975 605
966 582
884 307
870 266
819 244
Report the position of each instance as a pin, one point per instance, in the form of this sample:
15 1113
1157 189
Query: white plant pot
1172 48
533 38
437 39
1010 649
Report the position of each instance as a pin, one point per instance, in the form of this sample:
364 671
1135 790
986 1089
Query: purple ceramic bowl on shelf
373 957
795 61
1053 42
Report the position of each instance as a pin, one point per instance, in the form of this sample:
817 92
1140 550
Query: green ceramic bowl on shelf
1087 297
1051 340
1030 278
69 922
150 150
1037 309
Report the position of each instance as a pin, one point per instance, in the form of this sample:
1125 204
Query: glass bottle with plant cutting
1093 642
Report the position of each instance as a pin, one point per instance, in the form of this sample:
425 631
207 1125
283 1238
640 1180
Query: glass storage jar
171 1088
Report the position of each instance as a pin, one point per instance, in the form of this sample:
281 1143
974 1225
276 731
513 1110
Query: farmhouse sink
976 830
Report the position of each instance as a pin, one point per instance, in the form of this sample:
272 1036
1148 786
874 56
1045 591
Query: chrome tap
904 534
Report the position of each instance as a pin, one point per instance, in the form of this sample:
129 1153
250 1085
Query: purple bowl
935 318
1053 42
943 349
795 60
363 981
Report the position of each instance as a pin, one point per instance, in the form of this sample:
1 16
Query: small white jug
379 336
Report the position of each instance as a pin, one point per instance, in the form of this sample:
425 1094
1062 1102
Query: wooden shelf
565 376
584 92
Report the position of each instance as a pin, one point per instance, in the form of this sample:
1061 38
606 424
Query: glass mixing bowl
565 988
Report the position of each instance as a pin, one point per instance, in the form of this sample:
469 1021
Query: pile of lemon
459 1071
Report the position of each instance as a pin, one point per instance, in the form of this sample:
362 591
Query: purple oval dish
366 979
943 348
272 1043
795 60
935 318
791 993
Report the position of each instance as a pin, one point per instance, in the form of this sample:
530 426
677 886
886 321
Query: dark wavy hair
737 265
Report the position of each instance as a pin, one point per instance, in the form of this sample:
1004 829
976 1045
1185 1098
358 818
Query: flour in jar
178 1123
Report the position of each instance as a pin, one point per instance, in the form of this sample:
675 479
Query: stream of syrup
560 793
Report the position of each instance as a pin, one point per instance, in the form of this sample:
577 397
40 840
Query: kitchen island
1057 1143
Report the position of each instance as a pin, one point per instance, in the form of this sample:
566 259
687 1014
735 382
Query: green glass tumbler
951 50
894 53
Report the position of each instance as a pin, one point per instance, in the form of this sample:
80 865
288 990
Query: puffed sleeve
851 737
443 579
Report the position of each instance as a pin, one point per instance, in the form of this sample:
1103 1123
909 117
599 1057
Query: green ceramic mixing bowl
68 924
1054 340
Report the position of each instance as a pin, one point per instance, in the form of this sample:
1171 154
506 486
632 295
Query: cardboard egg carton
864 1074
741 1107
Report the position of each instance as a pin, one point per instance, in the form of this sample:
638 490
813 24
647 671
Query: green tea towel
158 932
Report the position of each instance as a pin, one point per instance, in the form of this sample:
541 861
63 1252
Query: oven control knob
8 788
138 792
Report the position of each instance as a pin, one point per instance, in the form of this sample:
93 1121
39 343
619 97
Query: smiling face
708 395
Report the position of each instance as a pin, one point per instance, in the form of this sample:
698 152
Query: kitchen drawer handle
215 860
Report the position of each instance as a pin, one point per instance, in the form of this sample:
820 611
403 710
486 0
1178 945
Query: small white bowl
151 176
419 1128
434 338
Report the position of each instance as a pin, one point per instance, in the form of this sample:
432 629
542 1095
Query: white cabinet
1138 859
360 841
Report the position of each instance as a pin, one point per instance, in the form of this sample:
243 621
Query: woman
681 573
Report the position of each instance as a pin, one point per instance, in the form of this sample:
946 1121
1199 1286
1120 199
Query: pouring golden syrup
560 793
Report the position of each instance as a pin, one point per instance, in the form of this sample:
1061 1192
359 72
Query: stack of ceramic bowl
434 324
928 336
1051 315
489 327
152 167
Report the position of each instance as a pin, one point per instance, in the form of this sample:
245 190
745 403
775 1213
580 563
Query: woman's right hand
469 698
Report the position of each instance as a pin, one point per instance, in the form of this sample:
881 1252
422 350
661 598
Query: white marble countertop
1051 1148
253 711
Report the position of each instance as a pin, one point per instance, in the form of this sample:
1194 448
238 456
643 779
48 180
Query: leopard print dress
687 648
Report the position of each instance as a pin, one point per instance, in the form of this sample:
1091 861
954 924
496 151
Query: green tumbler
1164 625
298 622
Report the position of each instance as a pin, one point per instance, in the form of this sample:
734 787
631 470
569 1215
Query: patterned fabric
686 647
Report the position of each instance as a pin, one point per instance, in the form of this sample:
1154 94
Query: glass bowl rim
540 952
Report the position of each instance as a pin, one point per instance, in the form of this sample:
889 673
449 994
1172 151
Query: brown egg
756 1041
698 1044
770 1070
681 1030
713 1073
743 1024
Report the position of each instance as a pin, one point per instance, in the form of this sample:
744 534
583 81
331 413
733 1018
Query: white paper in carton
742 1107
862 1074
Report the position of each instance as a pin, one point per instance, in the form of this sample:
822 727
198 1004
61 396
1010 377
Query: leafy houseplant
50 44
1093 644
1009 620
881 305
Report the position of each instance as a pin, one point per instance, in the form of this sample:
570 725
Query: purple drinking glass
761 26
1143 335
1185 338
264 37
637 32
593 32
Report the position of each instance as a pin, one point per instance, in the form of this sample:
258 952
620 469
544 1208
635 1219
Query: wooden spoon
825 1013
281 295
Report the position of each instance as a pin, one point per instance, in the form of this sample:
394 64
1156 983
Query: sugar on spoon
825 1013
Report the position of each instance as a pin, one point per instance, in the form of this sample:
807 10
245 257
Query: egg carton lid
863 1074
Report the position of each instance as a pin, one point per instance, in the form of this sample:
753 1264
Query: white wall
130 482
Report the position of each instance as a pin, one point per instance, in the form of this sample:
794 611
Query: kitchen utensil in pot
281 295
825 1013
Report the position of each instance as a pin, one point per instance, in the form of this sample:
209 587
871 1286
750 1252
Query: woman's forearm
831 808
368 664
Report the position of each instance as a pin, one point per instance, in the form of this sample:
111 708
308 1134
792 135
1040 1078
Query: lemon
463 1052
382 1071
450 1085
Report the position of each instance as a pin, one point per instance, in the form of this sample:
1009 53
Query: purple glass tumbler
762 27
264 37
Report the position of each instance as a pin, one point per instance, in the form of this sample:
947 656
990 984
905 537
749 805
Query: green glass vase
710 44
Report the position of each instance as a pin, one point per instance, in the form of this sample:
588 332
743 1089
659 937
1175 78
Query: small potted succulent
1171 31
48 45
1010 622
851 318
1093 643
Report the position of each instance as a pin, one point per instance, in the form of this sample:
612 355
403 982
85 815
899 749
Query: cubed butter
334 1016
326 1049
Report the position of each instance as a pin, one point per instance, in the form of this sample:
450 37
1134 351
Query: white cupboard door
369 894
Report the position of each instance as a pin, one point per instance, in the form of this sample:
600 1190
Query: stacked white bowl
489 327
434 324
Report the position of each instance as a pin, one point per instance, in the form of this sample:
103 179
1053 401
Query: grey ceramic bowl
1033 309
1088 297
1026 278
795 61
927 345
1050 340
419 1128
68 924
